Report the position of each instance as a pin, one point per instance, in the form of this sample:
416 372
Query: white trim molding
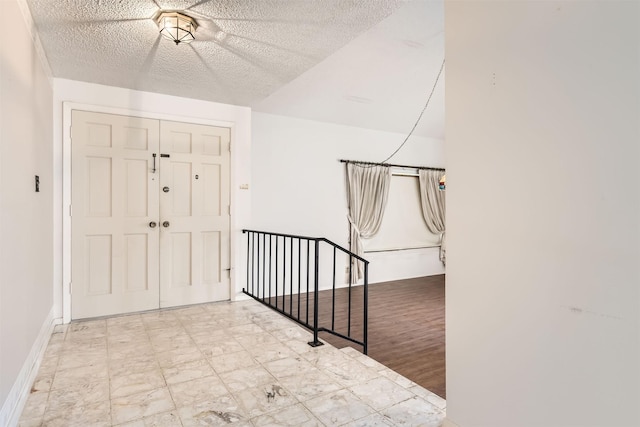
17 398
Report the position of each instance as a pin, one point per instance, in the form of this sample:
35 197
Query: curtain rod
390 164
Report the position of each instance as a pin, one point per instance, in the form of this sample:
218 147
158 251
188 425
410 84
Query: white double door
150 214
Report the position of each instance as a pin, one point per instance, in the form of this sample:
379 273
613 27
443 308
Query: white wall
543 213
299 184
125 101
26 217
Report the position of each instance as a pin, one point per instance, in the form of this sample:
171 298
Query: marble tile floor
215 364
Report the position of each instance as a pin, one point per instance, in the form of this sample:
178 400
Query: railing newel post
349 303
365 309
316 274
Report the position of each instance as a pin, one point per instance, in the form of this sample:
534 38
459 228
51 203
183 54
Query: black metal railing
284 272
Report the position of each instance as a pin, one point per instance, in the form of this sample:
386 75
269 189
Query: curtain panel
433 206
367 193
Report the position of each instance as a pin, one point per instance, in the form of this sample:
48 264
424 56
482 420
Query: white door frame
67 107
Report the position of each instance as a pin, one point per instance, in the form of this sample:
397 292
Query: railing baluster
253 260
284 271
299 266
248 234
270 245
258 268
276 263
291 276
333 293
307 281
264 266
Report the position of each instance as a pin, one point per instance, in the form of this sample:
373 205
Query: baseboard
448 423
240 296
17 398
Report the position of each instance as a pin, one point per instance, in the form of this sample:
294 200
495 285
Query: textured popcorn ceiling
274 55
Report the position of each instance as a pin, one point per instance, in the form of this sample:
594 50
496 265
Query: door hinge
70 210
70 288
229 206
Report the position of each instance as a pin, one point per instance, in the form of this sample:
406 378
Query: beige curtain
433 206
367 191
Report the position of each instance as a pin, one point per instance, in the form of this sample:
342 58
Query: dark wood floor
406 325
406 328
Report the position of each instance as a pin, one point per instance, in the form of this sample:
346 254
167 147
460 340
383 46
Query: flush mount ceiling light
176 26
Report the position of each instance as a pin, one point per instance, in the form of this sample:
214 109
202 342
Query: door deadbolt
165 224
152 224
165 189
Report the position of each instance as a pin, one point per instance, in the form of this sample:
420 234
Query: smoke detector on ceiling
176 26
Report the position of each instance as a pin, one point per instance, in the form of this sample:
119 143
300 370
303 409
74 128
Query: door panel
135 258
211 249
98 274
194 248
114 197
179 254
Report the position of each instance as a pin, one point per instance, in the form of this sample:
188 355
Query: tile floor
215 364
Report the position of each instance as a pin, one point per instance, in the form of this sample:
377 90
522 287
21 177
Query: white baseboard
240 296
448 423
13 405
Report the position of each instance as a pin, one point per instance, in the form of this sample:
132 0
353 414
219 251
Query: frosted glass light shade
177 27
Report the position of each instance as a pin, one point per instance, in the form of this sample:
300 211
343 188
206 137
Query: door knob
165 224
165 189
152 224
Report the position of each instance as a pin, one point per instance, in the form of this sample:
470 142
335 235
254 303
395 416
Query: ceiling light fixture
176 26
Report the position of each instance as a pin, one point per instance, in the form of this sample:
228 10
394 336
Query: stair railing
283 272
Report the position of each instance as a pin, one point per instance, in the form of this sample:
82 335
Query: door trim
67 108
